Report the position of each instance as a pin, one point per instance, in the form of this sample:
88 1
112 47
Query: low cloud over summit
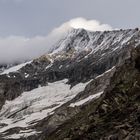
18 48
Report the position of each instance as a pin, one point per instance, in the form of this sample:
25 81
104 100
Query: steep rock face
115 115
48 94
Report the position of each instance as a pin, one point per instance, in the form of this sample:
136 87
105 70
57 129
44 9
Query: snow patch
27 75
60 66
50 65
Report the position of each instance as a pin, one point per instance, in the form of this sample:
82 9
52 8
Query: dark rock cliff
115 115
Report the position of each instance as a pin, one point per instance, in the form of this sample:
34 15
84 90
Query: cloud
19 49
91 25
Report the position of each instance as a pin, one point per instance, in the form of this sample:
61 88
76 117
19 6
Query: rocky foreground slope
86 88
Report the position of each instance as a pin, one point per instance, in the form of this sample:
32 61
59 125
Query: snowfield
36 105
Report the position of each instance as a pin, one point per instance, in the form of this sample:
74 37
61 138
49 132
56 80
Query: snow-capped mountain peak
39 96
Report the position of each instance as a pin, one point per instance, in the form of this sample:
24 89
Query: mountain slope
86 76
115 115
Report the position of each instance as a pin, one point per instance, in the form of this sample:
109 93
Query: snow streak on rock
88 99
15 68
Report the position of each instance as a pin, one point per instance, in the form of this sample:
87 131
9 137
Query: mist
19 49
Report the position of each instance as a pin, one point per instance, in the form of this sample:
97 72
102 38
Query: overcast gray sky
38 17
29 28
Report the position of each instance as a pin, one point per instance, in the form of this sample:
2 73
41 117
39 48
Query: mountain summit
85 88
